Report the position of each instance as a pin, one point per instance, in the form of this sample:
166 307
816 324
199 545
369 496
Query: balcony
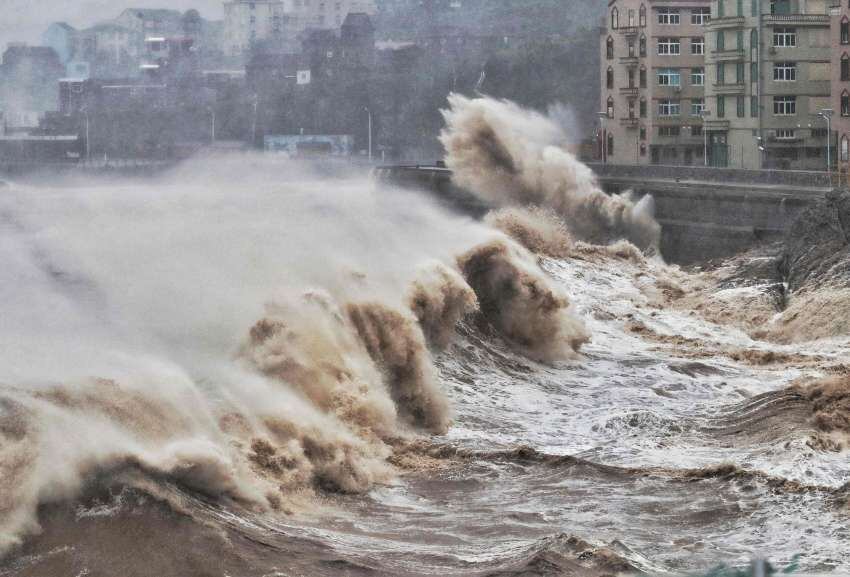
715 125
628 31
731 54
629 90
796 19
729 88
631 122
726 22
629 60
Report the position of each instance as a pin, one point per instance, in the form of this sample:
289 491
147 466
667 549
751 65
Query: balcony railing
628 30
629 60
798 19
629 90
729 88
631 122
726 22
728 54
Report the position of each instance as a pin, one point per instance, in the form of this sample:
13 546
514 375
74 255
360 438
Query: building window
754 72
631 77
615 18
784 105
721 73
668 131
697 106
754 106
668 108
698 45
642 45
642 16
784 71
721 9
698 76
741 106
739 73
669 77
631 18
845 104
845 31
780 6
643 132
631 48
754 7
696 130
845 67
610 144
610 109
643 107
721 40
668 16
668 47
739 40
784 37
642 77
785 134
721 107
631 109
740 8
609 78
700 16
609 48
845 150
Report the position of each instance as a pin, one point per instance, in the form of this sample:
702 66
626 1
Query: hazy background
25 20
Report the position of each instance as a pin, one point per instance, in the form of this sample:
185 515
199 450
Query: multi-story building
249 22
304 14
737 83
769 83
278 23
653 81
840 87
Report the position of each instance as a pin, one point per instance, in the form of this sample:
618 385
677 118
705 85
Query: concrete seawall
710 213
704 213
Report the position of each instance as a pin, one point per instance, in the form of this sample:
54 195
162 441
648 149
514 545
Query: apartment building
247 22
304 14
768 67
840 77
653 81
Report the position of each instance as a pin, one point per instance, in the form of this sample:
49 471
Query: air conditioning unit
678 88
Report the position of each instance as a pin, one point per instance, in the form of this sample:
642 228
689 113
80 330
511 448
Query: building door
689 156
655 154
718 153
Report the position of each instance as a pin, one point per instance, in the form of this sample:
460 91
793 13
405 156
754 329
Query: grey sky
25 20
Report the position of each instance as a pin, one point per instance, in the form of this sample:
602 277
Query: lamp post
369 112
826 114
703 114
85 112
212 124
254 123
603 119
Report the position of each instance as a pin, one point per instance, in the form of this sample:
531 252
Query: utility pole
603 118
826 114
703 114
369 112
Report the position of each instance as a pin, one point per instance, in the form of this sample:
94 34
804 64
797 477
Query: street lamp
703 114
85 112
369 112
826 114
212 126
603 119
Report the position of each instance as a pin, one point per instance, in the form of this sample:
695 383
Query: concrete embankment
704 213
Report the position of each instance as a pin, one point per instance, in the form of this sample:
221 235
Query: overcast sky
25 20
